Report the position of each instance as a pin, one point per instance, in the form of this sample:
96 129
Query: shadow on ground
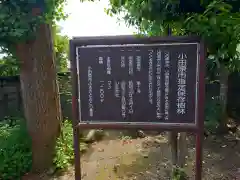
221 161
148 159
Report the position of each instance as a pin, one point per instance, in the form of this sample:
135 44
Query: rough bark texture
223 96
40 96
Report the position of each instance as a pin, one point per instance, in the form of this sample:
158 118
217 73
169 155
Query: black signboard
138 82
122 82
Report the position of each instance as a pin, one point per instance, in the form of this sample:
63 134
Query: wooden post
178 145
173 136
75 114
182 144
200 122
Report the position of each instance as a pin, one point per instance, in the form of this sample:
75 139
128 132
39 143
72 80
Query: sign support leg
77 154
199 151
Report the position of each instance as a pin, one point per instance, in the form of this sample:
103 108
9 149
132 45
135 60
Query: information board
138 83
147 83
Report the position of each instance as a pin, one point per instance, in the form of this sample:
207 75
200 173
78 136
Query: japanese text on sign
139 83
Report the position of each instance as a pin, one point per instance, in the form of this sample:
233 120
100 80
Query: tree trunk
172 140
40 95
223 97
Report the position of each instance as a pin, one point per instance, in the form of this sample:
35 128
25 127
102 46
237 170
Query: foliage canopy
217 22
61 47
9 66
164 11
20 19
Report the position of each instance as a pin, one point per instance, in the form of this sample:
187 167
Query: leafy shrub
64 148
212 114
15 150
179 174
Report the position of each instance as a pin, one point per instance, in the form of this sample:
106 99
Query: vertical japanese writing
166 89
130 97
101 91
90 92
123 63
109 69
158 79
109 85
123 98
181 81
117 90
139 63
130 65
150 76
138 84
100 60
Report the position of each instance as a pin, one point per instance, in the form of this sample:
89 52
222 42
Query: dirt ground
148 159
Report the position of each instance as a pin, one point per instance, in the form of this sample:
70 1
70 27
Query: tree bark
223 97
40 96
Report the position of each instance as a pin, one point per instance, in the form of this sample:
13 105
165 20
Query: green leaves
9 66
61 47
18 23
218 26
15 151
64 149
216 21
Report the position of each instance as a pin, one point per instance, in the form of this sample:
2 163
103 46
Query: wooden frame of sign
129 82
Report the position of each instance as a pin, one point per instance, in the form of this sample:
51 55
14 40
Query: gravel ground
146 159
